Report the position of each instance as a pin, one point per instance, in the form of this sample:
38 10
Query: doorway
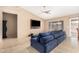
9 25
74 27
73 31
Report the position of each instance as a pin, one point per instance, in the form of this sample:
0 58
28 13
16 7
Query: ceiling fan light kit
45 10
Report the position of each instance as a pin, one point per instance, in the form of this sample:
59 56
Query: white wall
23 25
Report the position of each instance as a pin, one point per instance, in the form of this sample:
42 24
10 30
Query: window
56 25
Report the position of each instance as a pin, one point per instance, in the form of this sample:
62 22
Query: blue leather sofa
45 42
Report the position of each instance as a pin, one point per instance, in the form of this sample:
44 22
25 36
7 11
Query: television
35 24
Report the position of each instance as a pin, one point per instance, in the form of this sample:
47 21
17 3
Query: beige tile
24 47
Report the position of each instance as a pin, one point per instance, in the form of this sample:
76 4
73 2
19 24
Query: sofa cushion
46 39
52 33
44 34
58 31
60 39
35 37
56 35
51 45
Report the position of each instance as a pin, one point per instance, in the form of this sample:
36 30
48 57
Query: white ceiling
56 11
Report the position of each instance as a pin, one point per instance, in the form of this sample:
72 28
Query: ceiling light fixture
45 10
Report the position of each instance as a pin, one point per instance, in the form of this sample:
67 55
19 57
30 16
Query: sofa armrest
37 45
51 45
35 39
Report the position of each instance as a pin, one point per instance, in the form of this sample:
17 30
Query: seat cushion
46 39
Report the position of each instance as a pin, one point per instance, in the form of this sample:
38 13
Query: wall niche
9 25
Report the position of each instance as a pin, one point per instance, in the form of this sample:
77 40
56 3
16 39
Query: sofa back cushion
44 34
58 34
46 39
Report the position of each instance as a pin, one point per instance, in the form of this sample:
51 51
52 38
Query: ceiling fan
45 10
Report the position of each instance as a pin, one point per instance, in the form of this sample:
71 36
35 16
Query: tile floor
64 47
